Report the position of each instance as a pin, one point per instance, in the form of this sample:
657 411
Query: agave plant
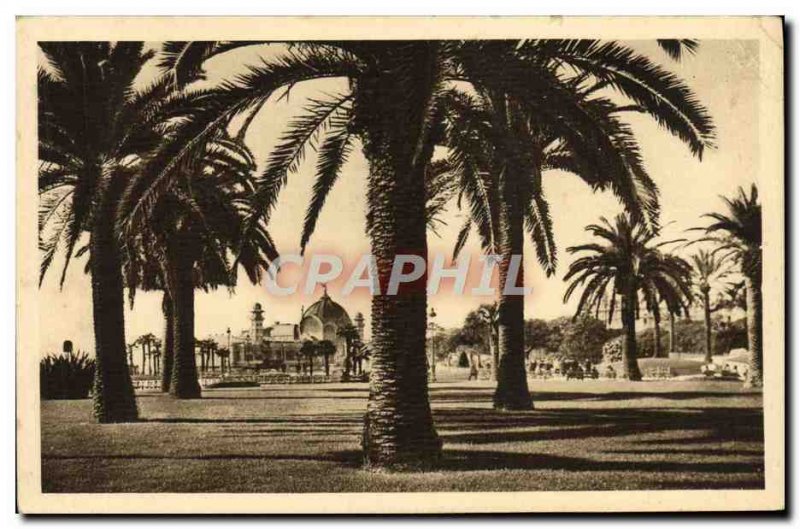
66 377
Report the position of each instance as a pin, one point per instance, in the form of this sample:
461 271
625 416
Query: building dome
257 306
327 311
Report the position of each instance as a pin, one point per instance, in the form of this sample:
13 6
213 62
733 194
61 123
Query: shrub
612 350
66 377
463 360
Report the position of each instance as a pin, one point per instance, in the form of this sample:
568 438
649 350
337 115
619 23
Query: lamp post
432 325
230 349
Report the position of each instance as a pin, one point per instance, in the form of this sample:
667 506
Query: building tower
256 324
359 319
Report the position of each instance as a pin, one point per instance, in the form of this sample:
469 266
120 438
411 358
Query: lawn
583 435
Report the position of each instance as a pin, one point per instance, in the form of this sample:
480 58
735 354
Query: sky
724 74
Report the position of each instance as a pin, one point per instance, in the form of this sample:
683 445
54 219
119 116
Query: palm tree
709 270
391 109
351 337
326 349
94 128
488 314
737 234
188 239
309 349
629 263
568 132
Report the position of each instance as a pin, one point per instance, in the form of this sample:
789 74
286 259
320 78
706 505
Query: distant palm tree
628 263
326 349
95 127
349 333
737 234
488 314
709 271
309 349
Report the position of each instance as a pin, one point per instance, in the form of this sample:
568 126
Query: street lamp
432 317
230 351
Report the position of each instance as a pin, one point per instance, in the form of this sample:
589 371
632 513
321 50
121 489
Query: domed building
277 346
323 320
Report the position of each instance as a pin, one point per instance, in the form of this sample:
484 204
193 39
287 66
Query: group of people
569 369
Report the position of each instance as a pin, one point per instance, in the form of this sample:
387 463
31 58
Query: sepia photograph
296 265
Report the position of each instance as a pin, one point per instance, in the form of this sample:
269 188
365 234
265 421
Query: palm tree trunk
184 384
672 338
392 108
113 397
755 345
656 333
512 384
169 343
630 364
707 327
494 352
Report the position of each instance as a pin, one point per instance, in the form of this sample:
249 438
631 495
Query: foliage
583 339
630 256
738 232
612 350
66 377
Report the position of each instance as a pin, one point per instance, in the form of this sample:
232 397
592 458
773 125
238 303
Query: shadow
715 424
310 420
289 397
690 451
631 395
472 460
349 458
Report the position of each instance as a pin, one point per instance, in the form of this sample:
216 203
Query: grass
583 435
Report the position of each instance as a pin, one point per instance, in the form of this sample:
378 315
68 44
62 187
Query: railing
658 372
152 383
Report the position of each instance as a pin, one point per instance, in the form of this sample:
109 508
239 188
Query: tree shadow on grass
633 395
309 420
717 424
473 460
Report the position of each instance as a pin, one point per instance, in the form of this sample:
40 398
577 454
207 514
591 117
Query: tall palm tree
709 271
390 108
482 143
737 233
628 263
95 126
190 237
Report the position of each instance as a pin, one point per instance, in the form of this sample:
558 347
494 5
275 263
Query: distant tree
626 262
737 234
584 338
537 333
708 272
309 350
326 349
489 314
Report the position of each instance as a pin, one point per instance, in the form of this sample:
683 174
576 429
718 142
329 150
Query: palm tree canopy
94 128
521 69
737 232
629 253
